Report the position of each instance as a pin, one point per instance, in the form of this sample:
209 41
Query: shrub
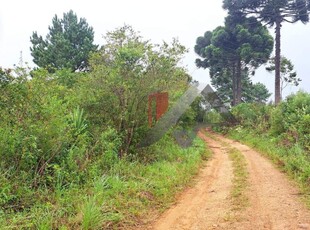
291 119
254 115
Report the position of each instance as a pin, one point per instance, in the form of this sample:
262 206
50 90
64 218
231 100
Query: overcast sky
156 20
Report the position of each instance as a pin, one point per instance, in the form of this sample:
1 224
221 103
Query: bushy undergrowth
289 122
282 133
117 197
68 140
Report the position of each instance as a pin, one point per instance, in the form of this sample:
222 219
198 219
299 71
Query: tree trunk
122 124
234 86
238 83
277 90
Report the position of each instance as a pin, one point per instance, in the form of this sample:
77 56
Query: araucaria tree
273 13
232 52
67 45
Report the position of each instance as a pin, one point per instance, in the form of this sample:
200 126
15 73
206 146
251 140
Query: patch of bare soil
273 200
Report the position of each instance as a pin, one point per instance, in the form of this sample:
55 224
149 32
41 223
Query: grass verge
121 198
240 175
292 160
240 179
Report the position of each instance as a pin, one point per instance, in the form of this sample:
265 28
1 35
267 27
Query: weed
239 198
92 216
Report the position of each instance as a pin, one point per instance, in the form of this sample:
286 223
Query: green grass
125 196
294 160
240 175
240 179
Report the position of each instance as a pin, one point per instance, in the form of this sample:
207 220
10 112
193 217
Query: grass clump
240 179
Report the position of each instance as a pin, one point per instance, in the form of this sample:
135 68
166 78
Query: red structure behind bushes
161 100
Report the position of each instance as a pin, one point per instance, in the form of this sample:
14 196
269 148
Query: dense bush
291 120
214 117
59 156
125 71
43 138
61 131
282 133
254 115
288 122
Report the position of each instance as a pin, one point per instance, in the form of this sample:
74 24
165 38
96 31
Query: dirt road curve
273 200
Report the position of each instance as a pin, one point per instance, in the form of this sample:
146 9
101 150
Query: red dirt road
273 200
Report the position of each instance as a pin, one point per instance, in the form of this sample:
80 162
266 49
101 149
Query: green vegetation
124 73
240 183
70 129
233 52
287 73
273 13
282 133
67 45
288 122
118 197
68 140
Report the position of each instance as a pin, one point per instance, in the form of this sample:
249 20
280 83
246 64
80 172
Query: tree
287 73
125 71
257 92
232 51
274 13
5 77
67 45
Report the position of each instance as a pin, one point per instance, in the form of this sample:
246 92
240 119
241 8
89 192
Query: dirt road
273 200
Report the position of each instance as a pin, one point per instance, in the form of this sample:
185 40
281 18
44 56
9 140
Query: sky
158 21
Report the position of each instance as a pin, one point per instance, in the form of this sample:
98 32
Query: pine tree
67 45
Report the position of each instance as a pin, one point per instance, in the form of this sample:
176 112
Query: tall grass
125 195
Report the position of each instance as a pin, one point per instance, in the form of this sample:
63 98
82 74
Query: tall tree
274 13
125 71
67 45
234 50
251 92
287 73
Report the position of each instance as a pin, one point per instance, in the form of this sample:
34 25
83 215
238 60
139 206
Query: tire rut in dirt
207 203
273 200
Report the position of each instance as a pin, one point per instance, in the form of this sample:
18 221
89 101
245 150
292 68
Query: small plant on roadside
92 216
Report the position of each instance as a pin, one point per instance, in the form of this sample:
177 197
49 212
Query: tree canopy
287 73
233 51
273 13
125 71
67 45
251 92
